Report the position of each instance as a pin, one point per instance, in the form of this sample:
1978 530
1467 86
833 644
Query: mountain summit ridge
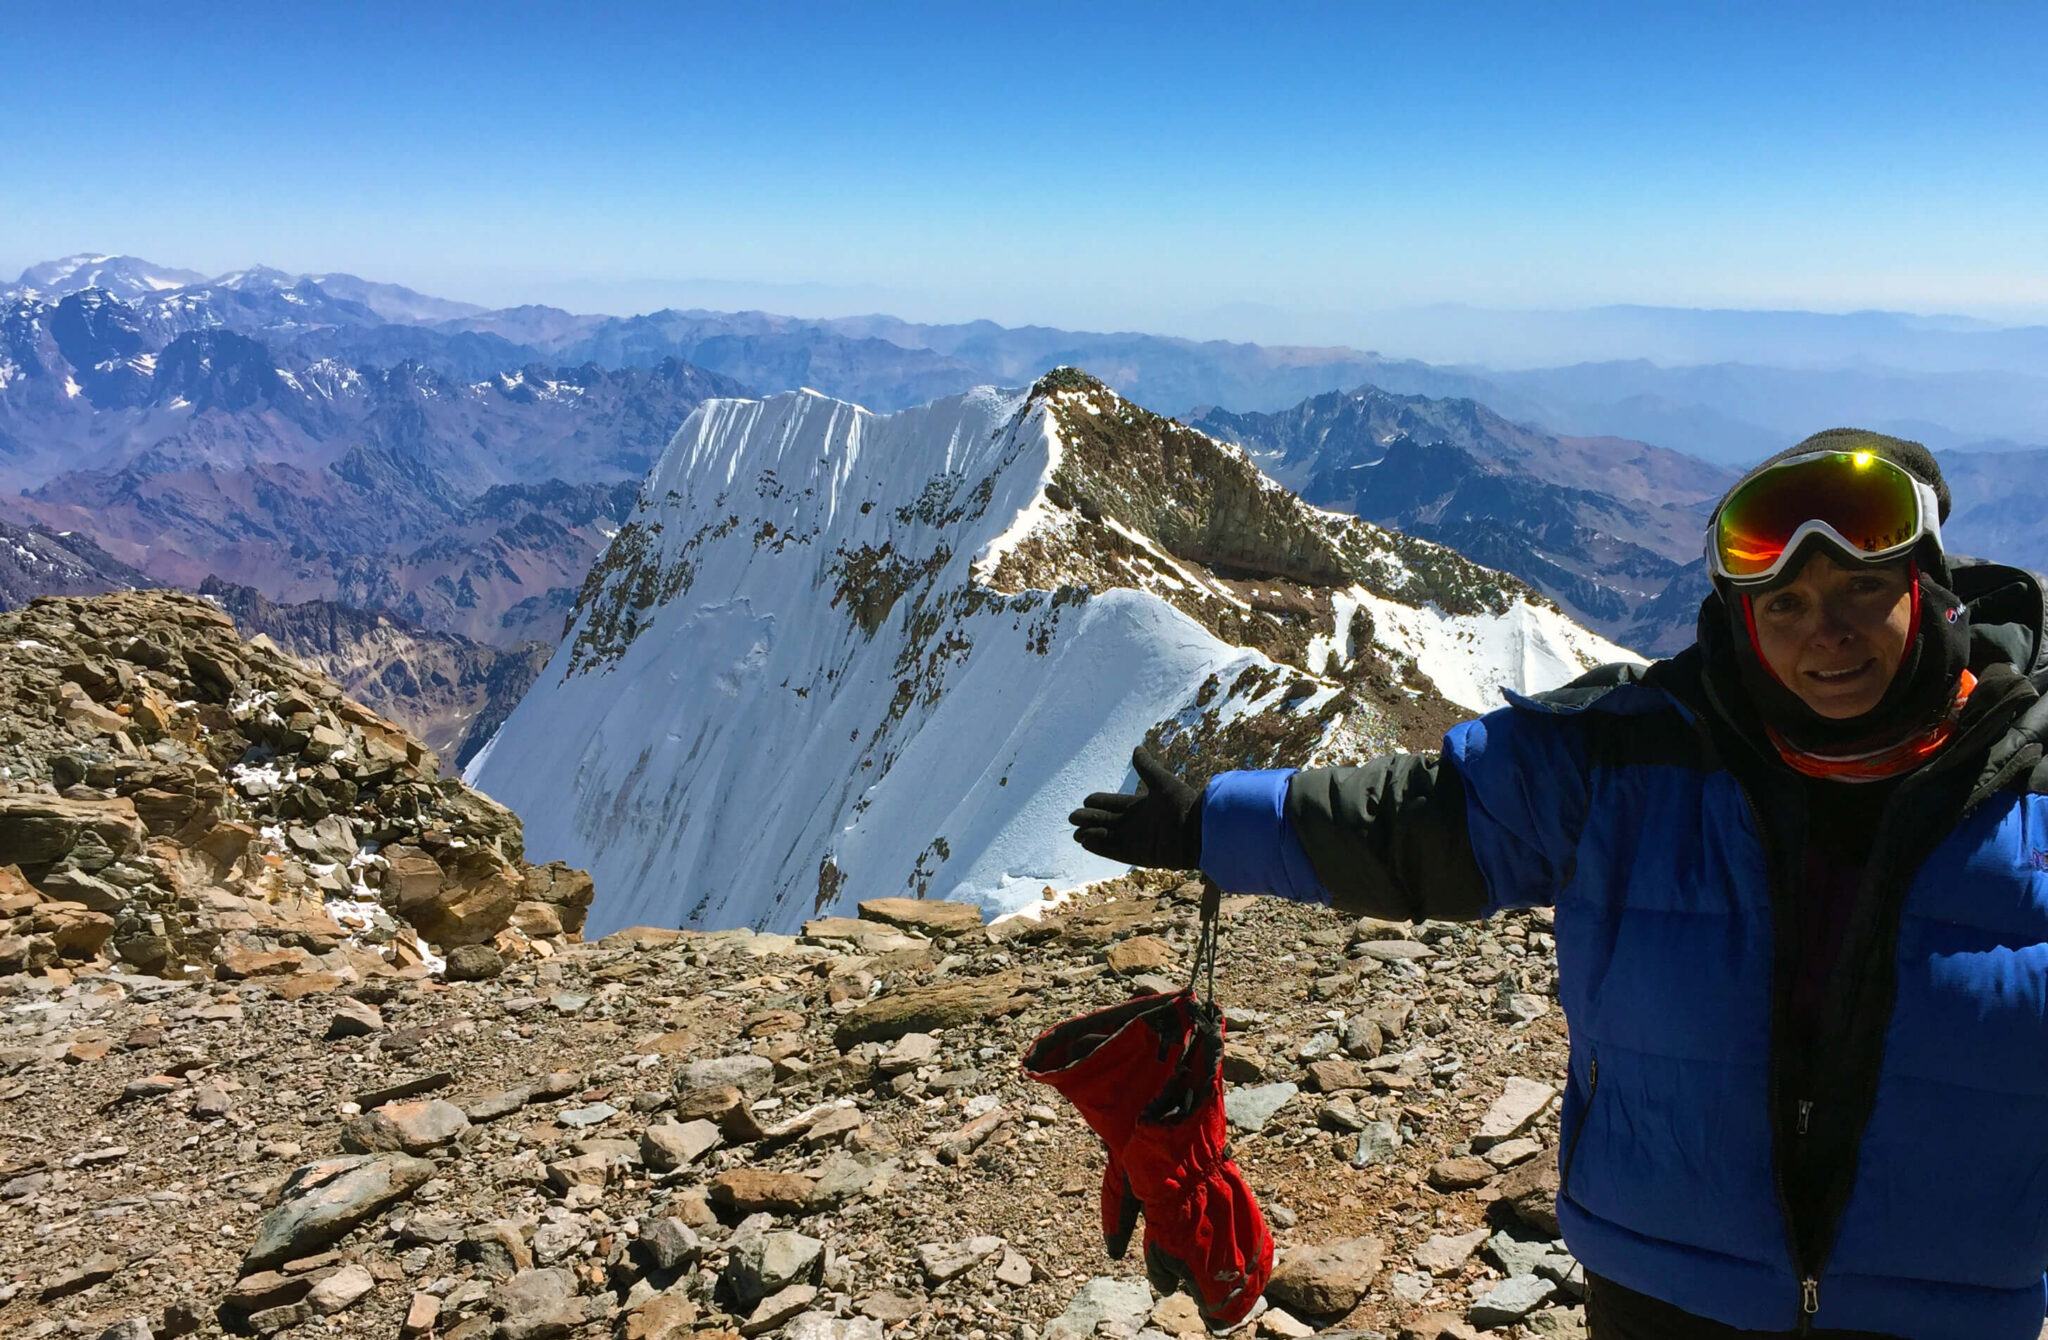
835 655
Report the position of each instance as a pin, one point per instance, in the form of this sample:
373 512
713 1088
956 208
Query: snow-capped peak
835 655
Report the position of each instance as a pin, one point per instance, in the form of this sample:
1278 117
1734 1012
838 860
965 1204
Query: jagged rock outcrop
183 801
450 691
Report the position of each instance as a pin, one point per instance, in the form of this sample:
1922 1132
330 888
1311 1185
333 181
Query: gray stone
539 1304
1376 1143
668 1145
556 1239
473 963
1445 1254
594 1115
1362 1039
1516 1256
321 1202
942 1261
908 1053
128 1328
502 1103
763 1264
1509 1301
1342 1116
1521 1101
671 1244
751 1075
825 1326
778 1308
1102 1299
1250 1109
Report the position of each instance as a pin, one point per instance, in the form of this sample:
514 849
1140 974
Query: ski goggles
1869 508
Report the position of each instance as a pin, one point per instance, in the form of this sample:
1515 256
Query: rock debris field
668 1134
293 1040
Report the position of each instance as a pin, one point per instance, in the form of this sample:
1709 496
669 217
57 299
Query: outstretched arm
1491 822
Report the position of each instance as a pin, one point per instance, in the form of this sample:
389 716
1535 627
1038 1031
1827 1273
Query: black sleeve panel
1388 839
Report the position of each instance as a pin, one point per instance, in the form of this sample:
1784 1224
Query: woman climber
1800 878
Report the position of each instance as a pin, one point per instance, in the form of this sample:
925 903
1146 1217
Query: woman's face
1835 635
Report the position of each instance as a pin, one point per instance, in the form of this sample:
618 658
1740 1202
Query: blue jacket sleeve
1248 845
1526 798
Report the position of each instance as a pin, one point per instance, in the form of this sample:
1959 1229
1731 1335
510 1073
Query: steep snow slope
837 655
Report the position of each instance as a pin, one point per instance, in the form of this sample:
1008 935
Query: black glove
1161 826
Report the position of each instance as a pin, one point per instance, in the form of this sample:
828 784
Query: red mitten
1203 1229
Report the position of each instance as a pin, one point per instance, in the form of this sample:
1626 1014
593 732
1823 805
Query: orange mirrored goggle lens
1869 502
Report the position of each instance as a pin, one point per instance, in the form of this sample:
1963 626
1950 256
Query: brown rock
413 1127
420 1316
665 1316
1460 1174
95 1269
76 932
538 921
1142 953
723 1104
752 1190
930 1008
37 830
1437 1326
568 890
641 938
1336 1076
1106 922
933 917
1326 1280
1531 1192
235 963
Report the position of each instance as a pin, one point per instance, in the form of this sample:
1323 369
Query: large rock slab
1325 1280
412 1128
321 1202
926 1009
933 917
1521 1101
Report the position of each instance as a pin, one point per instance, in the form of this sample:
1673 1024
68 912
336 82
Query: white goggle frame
1929 528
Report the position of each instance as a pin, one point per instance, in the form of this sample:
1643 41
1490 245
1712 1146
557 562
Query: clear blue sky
1159 167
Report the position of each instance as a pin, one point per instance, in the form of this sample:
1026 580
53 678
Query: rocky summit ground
668 1134
294 1039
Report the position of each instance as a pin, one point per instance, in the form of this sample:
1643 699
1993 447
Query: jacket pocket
1571 1152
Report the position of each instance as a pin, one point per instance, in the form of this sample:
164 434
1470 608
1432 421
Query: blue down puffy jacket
1921 1119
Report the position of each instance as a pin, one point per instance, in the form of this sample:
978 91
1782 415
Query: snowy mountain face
835 655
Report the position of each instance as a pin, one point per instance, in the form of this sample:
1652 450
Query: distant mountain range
1726 386
1608 528
325 438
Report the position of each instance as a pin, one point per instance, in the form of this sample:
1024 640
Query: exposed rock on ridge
186 802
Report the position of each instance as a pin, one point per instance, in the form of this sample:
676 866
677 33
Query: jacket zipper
1809 1283
1564 1173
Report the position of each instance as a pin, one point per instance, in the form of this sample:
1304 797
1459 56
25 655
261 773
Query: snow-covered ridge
838 655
